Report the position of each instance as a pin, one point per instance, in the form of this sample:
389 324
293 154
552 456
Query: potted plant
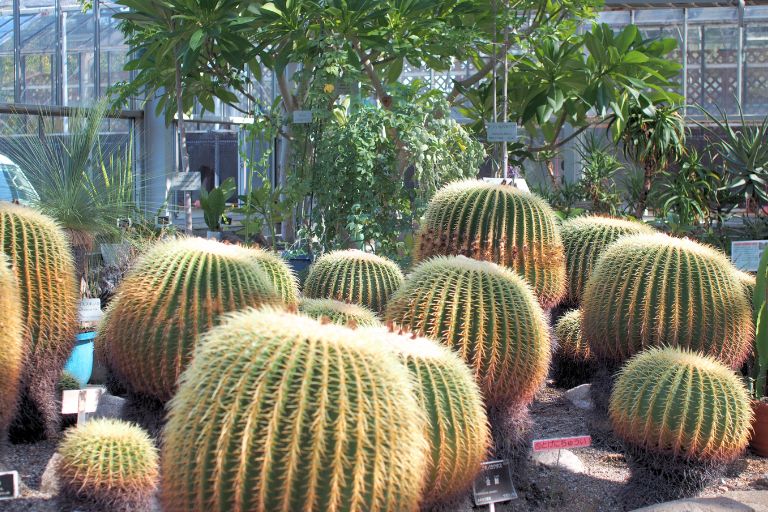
214 204
759 440
80 362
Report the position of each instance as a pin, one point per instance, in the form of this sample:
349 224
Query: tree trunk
647 181
183 145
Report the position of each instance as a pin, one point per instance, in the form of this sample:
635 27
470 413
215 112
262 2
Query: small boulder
49 482
110 406
581 397
568 460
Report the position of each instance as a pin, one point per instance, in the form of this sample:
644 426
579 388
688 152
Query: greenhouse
383 255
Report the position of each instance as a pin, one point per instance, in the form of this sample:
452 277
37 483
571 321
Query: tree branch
378 86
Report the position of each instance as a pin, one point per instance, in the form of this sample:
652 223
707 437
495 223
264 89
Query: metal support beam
740 55
684 58
17 51
97 48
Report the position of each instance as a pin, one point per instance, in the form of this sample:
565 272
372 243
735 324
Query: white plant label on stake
493 484
560 443
501 132
9 485
90 310
184 181
746 254
80 402
302 116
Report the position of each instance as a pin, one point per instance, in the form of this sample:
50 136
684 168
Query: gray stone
110 406
736 501
49 482
568 460
581 397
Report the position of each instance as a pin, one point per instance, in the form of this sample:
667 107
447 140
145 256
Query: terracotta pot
759 441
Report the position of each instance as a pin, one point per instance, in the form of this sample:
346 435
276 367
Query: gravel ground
548 489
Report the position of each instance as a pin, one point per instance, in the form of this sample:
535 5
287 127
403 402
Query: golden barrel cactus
341 313
279 273
11 343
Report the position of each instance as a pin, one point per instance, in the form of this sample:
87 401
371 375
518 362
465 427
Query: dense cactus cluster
108 464
654 290
11 345
280 412
573 361
585 239
457 426
279 273
341 313
485 312
497 223
41 260
176 291
354 276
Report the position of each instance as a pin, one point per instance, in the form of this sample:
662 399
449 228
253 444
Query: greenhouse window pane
38 44
78 72
7 73
755 96
114 51
712 63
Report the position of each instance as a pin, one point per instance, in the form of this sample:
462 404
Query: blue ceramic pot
80 362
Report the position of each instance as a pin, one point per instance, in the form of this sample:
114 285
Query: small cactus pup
572 363
177 290
585 239
497 223
279 273
656 290
39 255
280 412
457 427
682 416
11 346
107 464
354 276
340 313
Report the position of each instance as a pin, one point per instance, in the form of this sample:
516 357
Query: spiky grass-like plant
108 464
341 313
176 291
457 427
280 274
497 223
12 345
653 290
585 239
354 276
280 412
573 363
682 415
39 254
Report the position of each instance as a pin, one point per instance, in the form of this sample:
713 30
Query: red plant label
558 443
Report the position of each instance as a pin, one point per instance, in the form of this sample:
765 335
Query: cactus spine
11 341
110 464
40 256
279 273
654 290
278 412
585 239
485 312
457 427
497 223
176 291
340 313
354 276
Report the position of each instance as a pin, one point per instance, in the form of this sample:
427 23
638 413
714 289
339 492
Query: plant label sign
501 132
80 402
184 181
9 485
302 116
494 484
746 254
90 310
561 443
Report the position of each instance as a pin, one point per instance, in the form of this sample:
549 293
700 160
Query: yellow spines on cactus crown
571 343
278 412
748 281
677 402
110 462
175 292
341 313
457 427
497 223
280 274
585 239
656 290
11 344
485 312
354 276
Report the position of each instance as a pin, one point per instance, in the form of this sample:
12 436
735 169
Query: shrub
341 313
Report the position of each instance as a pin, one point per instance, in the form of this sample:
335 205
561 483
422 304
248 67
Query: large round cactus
341 313
354 276
485 312
748 282
41 259
176 291
497 223
110 464
11 343
279 273
585 239
280 412
573 363
654 290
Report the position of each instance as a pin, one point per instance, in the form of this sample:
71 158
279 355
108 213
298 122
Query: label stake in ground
9 485
493 484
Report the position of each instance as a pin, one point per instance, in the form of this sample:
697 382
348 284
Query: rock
736 501
581 397
760 483
568 460
49 482
110 406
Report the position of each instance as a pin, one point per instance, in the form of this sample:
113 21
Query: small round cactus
175 292
280 412
109 465
341 313
279 273
655 290
497 223
354 276
573 363
67 381
11 345
585 239
485 312
457 427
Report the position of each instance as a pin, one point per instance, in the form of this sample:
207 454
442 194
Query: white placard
184 181
501 132
515 182
302 116
71 402
746 254
90 310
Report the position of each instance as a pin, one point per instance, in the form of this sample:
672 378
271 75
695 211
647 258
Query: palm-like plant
689 191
